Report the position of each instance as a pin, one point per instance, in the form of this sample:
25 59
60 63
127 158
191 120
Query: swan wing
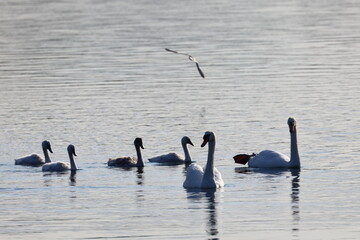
166 158
121 162
269 159
31 160
194 176
218 179
55 167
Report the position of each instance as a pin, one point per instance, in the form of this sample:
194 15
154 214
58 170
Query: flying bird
191 58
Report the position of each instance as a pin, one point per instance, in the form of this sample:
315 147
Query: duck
128 162
62 166
208 177
36 160
273 159
173 157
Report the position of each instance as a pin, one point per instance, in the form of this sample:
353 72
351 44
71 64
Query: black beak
204 142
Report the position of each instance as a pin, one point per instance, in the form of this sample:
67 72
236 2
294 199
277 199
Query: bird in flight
191 58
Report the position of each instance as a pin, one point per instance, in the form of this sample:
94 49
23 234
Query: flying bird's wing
201 72
191 58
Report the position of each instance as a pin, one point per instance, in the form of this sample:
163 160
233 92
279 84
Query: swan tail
243 158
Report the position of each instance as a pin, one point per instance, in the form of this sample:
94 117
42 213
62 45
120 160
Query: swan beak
50 150
191 143
74 153
204 142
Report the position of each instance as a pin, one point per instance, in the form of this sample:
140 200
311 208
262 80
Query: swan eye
206 137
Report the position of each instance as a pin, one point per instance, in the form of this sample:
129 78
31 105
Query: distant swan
173 157
127 162
272 159
35 159
62 166
197 177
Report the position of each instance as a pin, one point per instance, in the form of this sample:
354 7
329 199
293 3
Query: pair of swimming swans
169 158
36 160
210 177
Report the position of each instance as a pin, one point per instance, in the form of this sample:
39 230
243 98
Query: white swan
209 177
173 157
35 159
62 166
272 159
127 162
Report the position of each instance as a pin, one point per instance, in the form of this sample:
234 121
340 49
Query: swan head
186 140
71 150
46 145
208 137
138 143
292 124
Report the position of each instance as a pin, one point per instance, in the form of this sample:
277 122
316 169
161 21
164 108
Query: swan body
272 159
62 166
209 176
35 159
173 157
127 162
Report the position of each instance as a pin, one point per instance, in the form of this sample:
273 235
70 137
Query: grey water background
95 74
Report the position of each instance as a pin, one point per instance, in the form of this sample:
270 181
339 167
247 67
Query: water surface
95 74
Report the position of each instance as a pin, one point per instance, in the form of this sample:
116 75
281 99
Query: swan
173 157
127 162
209 176
62 166
35 159
272 159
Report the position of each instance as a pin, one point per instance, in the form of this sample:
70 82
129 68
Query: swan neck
72 162
46 155
294 152
186 153
209 170
140 162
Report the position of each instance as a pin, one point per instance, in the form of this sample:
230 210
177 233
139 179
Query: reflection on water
140 196
95 73
295 199
72 178
210 201
271 173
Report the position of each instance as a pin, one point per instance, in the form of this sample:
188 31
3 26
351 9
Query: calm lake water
95 74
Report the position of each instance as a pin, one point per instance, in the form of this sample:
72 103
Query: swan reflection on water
72 178
295 198
196 195
295 188
139 175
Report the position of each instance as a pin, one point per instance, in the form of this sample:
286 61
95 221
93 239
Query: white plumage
36 160
209 176
273 159
175 158
62 166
